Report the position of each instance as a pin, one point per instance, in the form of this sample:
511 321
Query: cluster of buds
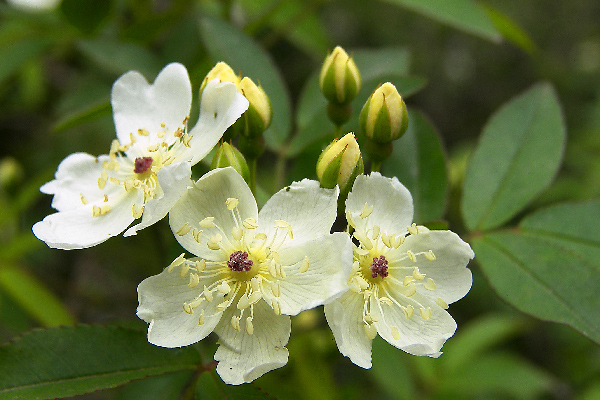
340 82
259 114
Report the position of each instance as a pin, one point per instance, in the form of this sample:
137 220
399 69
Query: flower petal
243 357
138 105
308 208
161 298
344 316
173 181
415 335
221 105
392 203
329 265
452 279
207 199
77 176
78 228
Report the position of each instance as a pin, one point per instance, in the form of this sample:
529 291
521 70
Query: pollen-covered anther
411 255
429 255
243 302
176 262
249 326
304 266
143 132
413 229
366 211
250 223
207 222
430 285
364 240
200 265
235 323
222 306
153 148
369 318
201 318
98 211
223 288
362 283
254 297
105 199
114 181
417 274
426 313
102 180
386 301
370 331
376 232
232 203
395 332
184 270
385 238
281 224
398 241
349 219
207 294
197 234
185 139
83 199
408 279
185 228
408 311
440 302
194 280
213 242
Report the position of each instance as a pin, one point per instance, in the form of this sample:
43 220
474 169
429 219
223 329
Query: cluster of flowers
254 269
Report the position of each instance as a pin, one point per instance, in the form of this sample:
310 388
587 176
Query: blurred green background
56 72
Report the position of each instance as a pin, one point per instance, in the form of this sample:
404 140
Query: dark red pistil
142 164
239 262
379 267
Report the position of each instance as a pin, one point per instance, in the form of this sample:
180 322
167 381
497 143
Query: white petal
139 105
173 181
452 279
161 299
243 357
221 105
35 5
391 201
344 317
77 175
77 228
417 336
330 262
308 208
207 198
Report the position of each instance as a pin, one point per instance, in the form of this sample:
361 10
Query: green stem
376 166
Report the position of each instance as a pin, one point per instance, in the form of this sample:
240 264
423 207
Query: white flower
35 5
400 286
253 270
149 164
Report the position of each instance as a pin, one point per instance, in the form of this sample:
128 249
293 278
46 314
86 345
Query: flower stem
376 166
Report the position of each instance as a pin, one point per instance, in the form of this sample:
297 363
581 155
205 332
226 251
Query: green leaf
391 371
211 387
549 267
118 57
517 157
82 116
242 53
465 15
419 163
510 30
32 296
69 361
16 54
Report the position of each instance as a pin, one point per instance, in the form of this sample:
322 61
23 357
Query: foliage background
56 70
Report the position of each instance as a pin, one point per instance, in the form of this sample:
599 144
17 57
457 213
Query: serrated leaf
225 43
465 15
33 297
419 163
517 157
69 361
549 267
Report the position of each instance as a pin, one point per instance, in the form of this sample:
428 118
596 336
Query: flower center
238 262
142 164
379 267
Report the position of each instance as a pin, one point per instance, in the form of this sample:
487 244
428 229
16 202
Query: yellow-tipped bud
228 156
340 79
340 163
223 73
384 117
259 114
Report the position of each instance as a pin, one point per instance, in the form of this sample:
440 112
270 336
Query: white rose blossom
253 270
403 276
149 164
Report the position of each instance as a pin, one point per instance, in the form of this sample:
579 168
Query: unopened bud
223 73
340 79
228 156
340 163
259 114
384 117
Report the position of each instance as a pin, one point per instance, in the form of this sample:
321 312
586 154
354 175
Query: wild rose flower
149 164
403 277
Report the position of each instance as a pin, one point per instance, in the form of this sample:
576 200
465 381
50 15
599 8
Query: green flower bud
228 156
340 163
340 79
259 114
223 73
384 117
